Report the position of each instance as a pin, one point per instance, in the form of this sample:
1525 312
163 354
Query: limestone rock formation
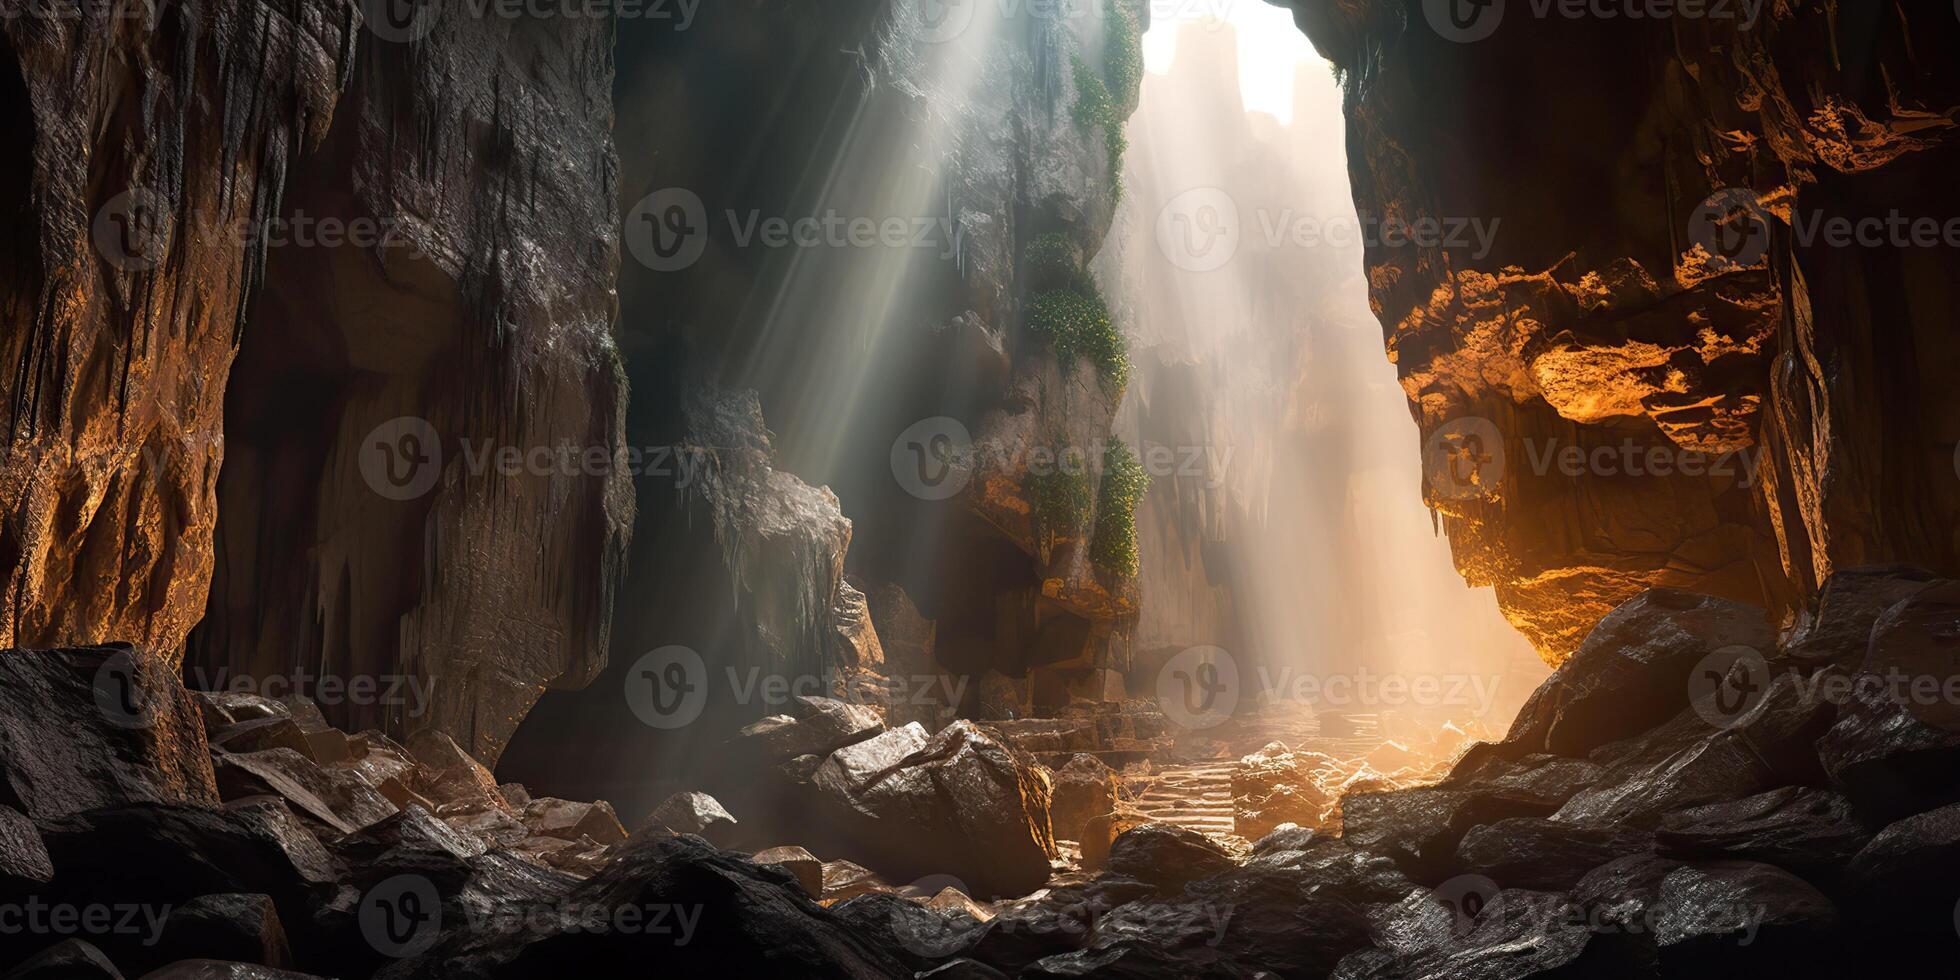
1664 371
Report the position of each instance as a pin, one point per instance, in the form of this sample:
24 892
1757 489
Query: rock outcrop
1666 370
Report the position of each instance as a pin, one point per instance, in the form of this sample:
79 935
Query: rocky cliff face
276 231
1752 402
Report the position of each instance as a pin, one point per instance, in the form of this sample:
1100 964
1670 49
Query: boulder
453 777
814 726
844 880
1851 603
335 797
800 863
1908 876
1744 916
1099 832
1638 791
1277 920
1808 831
1056 921
568 820
24 862
70 959
1509 935
96 727
964 802
219 970
690 812
1275 786
1545 855
1631 673
1166 856
235 927
727 917
1331 866
1084 788
1421 828
916 934
1889 762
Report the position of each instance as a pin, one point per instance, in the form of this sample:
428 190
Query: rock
497 828
1808 831
1421 828
963 970
1056 921
1166 856
1099 832
1617 900
1742 915
264 733
1278 920
1084 788
1631 673
918 935
1335 868
98 727
24 859
1908 877
690 812
334 797
855 639
453 776
963 803
570 821
843 880
1848 607
215 970
514 793
1513 934
1640 790
746 920
1887 761
808 870
70 959
1286 837
816 726
234 927
165 855
1274 786
1546 779
1544 855
401 837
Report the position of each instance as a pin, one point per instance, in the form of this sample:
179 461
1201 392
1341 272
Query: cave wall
1649 296
208 340
147 142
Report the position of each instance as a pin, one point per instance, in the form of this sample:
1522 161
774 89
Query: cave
943 488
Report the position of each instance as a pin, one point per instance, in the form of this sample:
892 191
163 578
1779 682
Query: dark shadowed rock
1420 828
1289 922
1631 673
97 727
451 776
798 862
963 970
726 917
1637 791
916 934
1852 601
1287 837
235 927
1535 853
23 858
1886 760
1102 831
1745 916
845 880
569 820
220 970
335 797
1167 856
964 803
70 959
1908 876
1330 865
814 726
1549 780
1084 788
1507 934
1057 921
1809 831
690 812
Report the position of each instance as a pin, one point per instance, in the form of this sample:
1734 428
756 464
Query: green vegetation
1095 108
1077 322
1050 263
1123 48
1114 548
1059 500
